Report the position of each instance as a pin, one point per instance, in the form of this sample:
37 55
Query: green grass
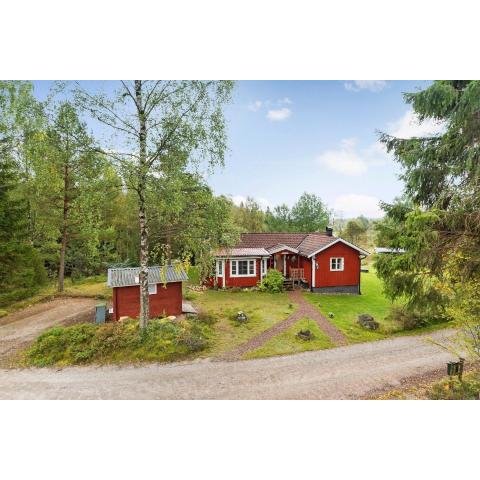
287 342
263 310
346 309
118 342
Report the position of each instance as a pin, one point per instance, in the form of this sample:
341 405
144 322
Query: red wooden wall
351 269
168 301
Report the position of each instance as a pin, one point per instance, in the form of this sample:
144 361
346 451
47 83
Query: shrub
188 295
406 319
272 282
162 340
469 389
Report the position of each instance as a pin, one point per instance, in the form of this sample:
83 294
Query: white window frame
219 268
263 266
338 268
152 288
249 260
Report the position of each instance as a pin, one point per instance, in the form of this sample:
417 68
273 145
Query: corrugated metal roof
242 252
123 277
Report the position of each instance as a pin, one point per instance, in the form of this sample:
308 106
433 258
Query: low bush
202 317
469 389
272 282
406 319
188 295
162 340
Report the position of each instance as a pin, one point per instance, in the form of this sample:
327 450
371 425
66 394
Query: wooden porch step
288 284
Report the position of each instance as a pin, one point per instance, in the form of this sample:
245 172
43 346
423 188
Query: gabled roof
302 243
280 247
124 277
306 244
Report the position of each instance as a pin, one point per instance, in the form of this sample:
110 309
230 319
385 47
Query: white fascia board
284 247
341 240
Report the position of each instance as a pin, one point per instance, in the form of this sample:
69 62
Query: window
219 268
152 288
243 268
336 264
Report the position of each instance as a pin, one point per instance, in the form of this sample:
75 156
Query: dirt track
339 373
20 328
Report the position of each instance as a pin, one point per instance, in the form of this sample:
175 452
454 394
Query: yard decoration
367 321
241 317
330 315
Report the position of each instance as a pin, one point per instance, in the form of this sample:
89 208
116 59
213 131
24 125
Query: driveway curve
18 329
340 373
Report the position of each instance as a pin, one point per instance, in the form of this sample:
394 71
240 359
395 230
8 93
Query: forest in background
68 209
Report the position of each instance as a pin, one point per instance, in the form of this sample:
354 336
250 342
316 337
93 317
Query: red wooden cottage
321 261
164 287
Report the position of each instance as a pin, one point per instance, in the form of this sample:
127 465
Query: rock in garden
305 334
241 317
171 318
367 321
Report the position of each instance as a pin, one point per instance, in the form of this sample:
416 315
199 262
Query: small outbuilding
164 288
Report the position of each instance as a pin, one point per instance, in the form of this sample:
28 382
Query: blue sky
287 137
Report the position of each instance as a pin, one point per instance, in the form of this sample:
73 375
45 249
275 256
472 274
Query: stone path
305 309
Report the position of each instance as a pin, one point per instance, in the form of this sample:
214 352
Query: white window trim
152 288
342 263
235 275
263 266
219 263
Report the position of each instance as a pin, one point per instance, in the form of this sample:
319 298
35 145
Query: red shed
164 286
321 261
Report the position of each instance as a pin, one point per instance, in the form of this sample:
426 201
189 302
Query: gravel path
338 373
305 309
20 328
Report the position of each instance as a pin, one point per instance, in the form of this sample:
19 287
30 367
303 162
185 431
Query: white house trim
284 265
280 248
235 275
339 262
341 240
313 272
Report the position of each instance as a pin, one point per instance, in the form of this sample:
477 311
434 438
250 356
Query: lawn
262 309
287 342
346 309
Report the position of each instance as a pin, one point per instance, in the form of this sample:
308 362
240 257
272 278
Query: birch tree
150 119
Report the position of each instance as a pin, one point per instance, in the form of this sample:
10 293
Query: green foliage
162 340
469 389
406 319
438 221
309 214
354 231
272 282
249 216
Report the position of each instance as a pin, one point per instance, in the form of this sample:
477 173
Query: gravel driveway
19 329
339 373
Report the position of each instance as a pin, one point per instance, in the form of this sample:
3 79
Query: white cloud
255 106
279 114
284 101
263 202
410 126
353 205
344 160
370 85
